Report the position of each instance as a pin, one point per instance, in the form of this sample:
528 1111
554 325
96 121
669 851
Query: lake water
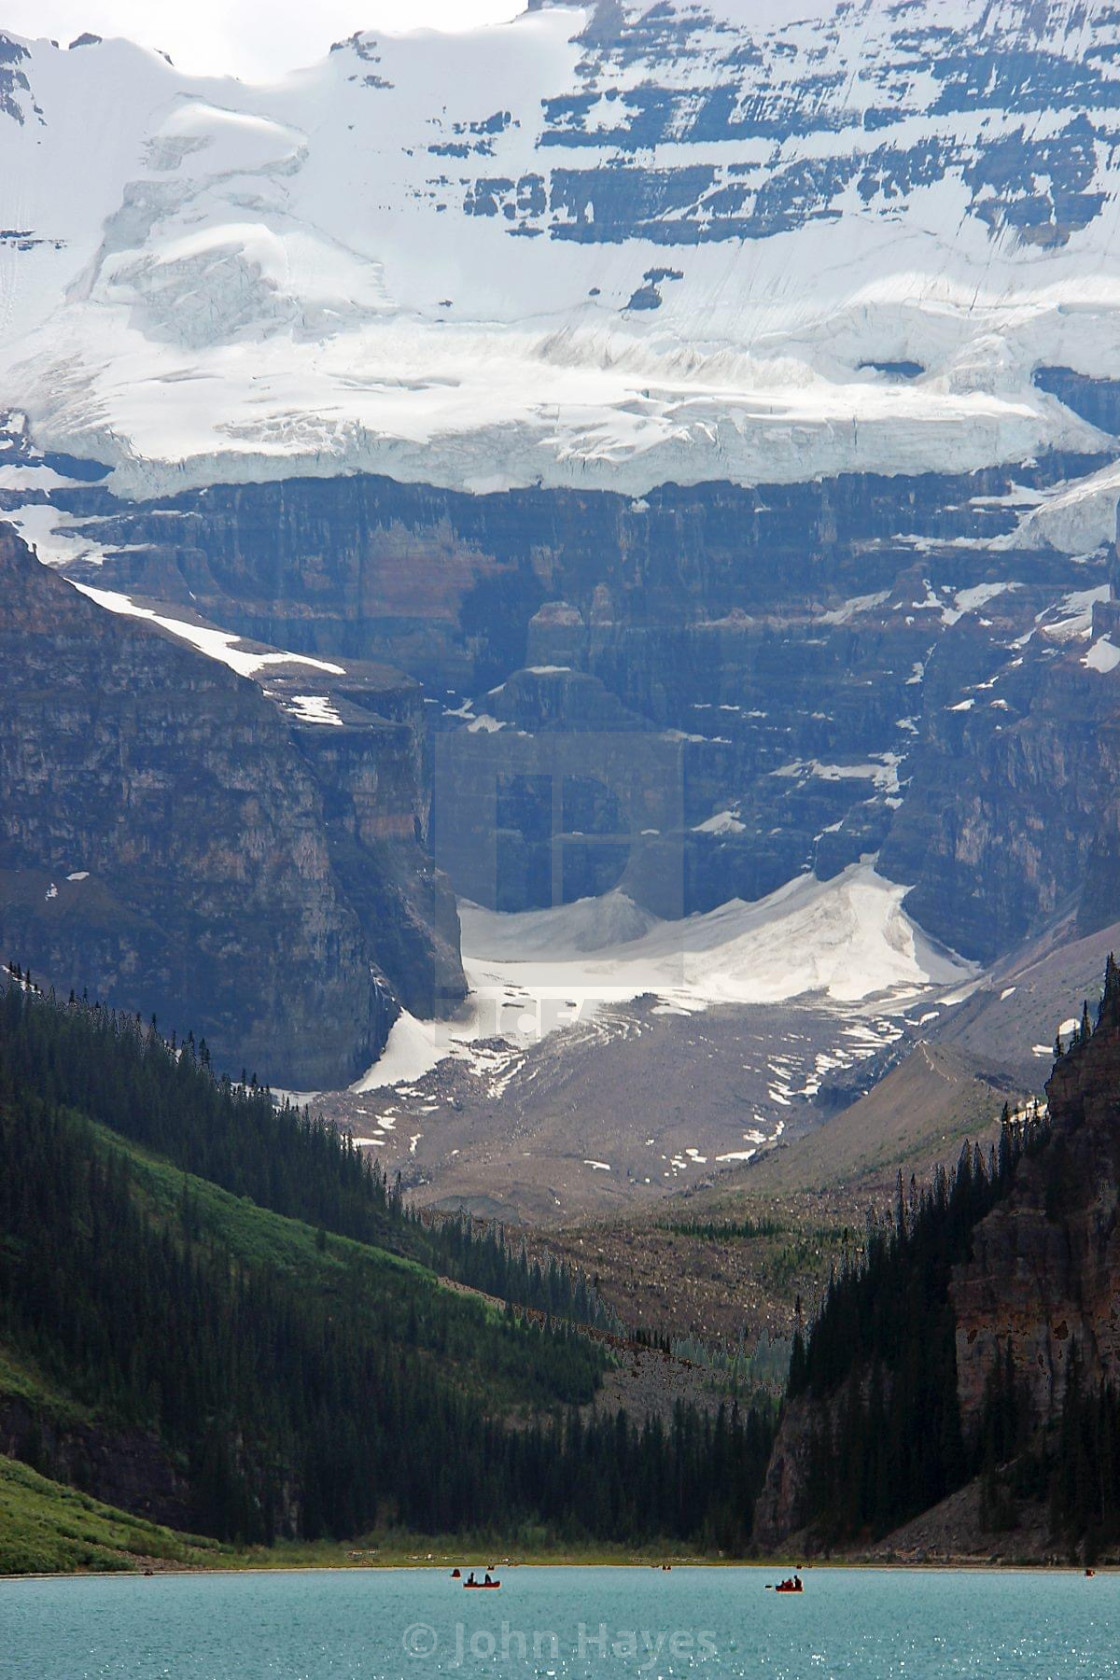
562 1624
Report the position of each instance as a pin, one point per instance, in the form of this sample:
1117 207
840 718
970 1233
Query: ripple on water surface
562 1624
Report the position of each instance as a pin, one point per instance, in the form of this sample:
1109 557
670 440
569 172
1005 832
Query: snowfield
848 938
847 942
423 256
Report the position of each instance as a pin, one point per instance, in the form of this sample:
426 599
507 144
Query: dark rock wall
1041 1283
1013 808
210 892
1044 1278
763 631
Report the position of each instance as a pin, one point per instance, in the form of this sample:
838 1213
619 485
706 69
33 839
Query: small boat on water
790 1585
481 1585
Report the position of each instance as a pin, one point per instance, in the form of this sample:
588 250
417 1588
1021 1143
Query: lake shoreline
962 1566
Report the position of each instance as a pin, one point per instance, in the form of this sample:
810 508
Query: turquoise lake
561 1624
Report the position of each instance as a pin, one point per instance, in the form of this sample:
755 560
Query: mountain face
714 410
165 841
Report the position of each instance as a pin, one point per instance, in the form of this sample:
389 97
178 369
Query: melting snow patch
1074 615
857 604
215 644
313 708
724 822
883 774
968 600
1103 656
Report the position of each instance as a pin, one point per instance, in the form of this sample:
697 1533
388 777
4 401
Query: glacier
602 246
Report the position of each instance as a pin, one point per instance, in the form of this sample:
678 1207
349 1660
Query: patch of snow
34 476
215 644
857 604
724 822
884 773
1103 656
563 934
313 708
968 600
1072 617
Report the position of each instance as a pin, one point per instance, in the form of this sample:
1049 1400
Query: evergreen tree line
294 1405
164 1095
288 1404
881 1355
1084 1483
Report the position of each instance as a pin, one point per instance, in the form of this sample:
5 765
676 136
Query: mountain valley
560 639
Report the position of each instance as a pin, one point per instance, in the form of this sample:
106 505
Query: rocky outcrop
1013 811
1044 1278
166 843
124 1467
1038 1287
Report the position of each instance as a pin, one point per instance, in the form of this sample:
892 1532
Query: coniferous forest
880 1361
180 1258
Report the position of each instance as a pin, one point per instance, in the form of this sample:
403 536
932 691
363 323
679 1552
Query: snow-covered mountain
714 410
606 245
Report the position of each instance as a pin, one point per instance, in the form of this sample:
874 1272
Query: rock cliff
1036 1289
1044 1278
174 841
819 670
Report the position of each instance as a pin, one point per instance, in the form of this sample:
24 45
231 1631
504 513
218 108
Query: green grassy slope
46 1528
